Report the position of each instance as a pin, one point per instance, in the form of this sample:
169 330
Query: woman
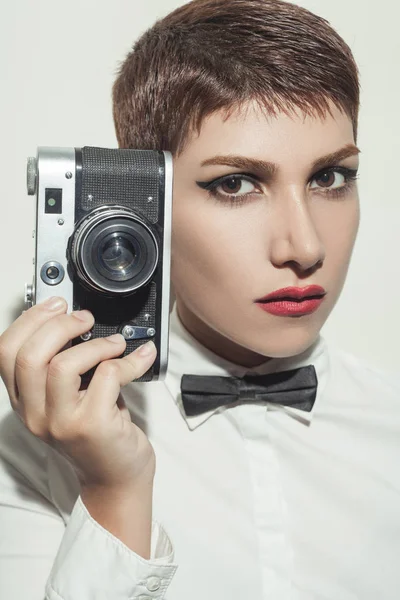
167 494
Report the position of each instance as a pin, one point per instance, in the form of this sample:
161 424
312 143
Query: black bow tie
296 388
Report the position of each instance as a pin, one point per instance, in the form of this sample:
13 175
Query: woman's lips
285 308
294 293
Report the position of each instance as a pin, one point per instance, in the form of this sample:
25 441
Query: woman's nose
296 238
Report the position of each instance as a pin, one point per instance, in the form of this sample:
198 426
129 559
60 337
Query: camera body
102 242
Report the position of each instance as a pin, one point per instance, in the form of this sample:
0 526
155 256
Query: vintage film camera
102 241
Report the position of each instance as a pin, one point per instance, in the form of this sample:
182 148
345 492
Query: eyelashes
350 176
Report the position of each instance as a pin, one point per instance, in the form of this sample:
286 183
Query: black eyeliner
215 182
343 170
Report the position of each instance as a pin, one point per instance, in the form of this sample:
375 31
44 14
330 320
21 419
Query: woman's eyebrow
271 169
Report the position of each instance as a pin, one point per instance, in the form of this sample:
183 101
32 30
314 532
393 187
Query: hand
91 427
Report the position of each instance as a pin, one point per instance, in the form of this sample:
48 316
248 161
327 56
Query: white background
58 63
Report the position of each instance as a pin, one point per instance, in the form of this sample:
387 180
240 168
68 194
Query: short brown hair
209 55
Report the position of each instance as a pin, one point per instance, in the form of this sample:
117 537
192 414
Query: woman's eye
234 185
327 179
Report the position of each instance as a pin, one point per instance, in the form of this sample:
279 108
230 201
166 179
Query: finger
110 376
19 332
32 362
63 395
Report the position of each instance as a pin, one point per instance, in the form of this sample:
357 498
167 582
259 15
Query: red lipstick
293 301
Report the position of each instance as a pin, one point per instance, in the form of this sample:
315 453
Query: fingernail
54 303
147 349
116 338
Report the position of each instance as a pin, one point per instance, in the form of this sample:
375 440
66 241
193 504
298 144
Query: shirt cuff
92 563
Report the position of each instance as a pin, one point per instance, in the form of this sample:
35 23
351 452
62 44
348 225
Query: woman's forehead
282 137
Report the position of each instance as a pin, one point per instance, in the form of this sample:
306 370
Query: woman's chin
286 345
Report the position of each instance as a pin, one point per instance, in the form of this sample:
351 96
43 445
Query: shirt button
153 583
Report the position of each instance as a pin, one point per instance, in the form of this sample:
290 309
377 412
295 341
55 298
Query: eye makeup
350 176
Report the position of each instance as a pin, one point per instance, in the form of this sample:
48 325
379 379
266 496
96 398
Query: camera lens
118 255
114 251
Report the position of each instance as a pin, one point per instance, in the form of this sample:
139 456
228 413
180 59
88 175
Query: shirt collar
188 356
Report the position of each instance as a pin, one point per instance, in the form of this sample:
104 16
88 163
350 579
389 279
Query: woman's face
287 226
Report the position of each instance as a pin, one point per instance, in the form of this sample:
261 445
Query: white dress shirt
253 501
